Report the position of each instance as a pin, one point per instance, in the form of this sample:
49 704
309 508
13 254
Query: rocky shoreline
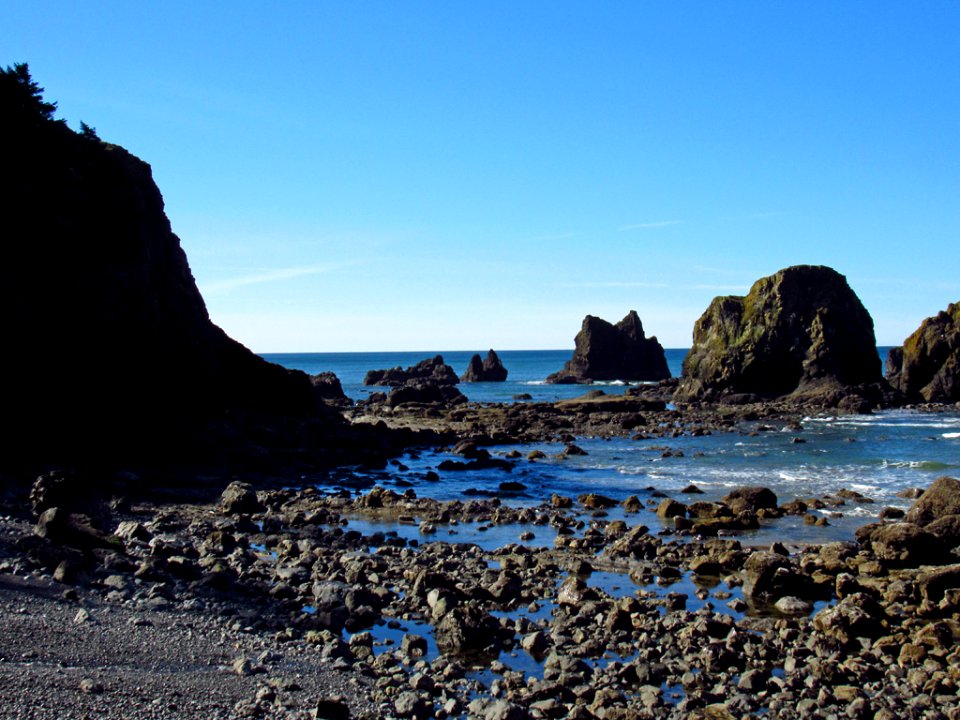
267 604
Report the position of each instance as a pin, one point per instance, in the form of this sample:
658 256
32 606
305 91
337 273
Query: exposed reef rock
488 370
927 366
433 369
800 332
613 352
109 344
425 392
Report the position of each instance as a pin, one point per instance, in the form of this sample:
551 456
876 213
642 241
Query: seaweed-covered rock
927 366
490 369
434 370
800 331
613 352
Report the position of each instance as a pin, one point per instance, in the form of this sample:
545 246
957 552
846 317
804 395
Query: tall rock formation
927 366
490 369
108 346
613 352
800 330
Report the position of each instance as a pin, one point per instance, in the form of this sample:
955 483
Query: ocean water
527 370
878 455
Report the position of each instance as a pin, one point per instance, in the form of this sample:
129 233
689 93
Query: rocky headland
927 366
800 333
613 352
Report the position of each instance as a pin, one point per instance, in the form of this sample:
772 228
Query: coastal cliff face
797 332
108 344
613 352
927 366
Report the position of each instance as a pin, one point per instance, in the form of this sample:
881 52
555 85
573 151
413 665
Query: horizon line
448 350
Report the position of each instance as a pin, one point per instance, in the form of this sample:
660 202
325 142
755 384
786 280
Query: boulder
425 392
939 500
327 388
946 529
466 630
613 352
935 583
433 370
123 358
669 508
927 366
801 331
751 499
487 370
855 616
771 575
240 498
62 527
905 544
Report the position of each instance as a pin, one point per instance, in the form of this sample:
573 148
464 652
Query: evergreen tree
21 99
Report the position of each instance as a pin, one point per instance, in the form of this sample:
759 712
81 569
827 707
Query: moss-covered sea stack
927 366
801 331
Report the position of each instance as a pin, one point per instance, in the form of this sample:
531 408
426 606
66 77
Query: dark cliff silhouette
108 347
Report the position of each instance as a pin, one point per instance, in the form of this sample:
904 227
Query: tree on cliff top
21 98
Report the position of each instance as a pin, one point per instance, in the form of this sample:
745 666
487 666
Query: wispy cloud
222 287
614 284
651 225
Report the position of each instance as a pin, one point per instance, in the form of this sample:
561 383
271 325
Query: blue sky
436 175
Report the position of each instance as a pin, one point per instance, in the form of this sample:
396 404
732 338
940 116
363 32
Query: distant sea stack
108 344
613 352
927 366
487 370
800 331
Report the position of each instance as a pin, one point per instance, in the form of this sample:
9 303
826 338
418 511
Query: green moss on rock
800 328
927 367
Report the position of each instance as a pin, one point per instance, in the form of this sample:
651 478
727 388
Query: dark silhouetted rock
432 369
488 370
114 350
59 526
613 352
927 366
800 331
424 392
327 387
239 497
